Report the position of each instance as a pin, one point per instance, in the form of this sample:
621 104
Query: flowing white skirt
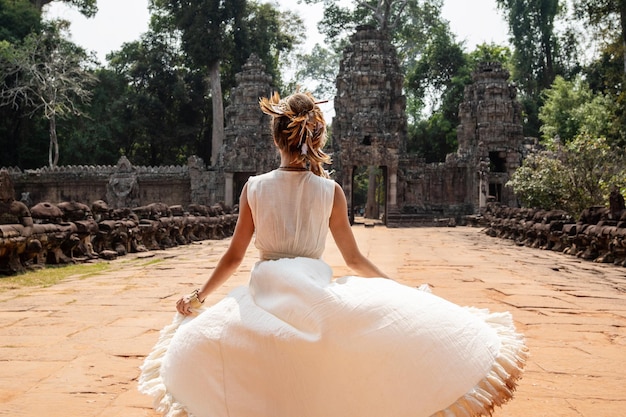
296 344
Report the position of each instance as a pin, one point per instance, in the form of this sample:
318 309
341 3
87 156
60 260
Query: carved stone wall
124 183
369 128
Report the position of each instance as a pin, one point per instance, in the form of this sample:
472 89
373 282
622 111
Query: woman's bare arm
231 259
344 238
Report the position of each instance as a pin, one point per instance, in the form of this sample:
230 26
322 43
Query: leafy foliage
45 73
442 73
539 182
540 53
88 8
570 177
17 20
571 108
319 70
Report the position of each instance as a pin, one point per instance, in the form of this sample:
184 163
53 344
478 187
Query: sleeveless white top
282 229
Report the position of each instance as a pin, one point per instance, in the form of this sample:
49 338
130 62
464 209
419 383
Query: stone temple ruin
369 130
71 213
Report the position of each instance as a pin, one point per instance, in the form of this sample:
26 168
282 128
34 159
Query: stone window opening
367 140
497 162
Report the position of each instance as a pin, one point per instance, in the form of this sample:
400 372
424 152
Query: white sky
119 21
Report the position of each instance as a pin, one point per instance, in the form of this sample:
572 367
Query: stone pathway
74 349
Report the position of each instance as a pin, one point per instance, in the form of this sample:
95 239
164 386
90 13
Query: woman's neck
287 163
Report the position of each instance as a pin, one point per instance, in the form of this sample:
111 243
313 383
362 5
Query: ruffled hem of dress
497 387
150 380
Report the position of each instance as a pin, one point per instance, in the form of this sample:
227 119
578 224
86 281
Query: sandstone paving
74 348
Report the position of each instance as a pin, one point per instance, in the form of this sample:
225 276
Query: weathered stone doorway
234 185
369 196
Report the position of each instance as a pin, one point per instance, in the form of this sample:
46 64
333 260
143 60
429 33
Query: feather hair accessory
275 107
304 131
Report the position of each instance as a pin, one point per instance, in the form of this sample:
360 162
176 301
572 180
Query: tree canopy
47 74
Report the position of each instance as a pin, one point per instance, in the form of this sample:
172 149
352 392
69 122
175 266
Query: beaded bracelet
194 300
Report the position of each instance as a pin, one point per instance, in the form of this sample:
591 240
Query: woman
295 343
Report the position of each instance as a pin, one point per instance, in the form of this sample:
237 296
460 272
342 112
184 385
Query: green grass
49 276
152 262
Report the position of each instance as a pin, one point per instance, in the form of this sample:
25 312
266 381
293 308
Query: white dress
295 343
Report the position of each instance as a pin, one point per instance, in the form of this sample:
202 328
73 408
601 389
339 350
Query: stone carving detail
11 210
599 235
122 188
70 232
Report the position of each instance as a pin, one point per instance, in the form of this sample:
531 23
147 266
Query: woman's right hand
188 303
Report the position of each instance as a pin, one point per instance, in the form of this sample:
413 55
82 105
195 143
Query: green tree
219 37
608 20
89 8
408 22
208 30
46 73
271 34
318 69
442 72
540 183
102 135
571 176
539 54
606 23
17 20
571 108
17 132
432 75
387 15
163 111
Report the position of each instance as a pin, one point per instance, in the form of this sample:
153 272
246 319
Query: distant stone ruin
369 129
370 126
490 133
247 149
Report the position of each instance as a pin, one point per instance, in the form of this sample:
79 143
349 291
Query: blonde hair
298 127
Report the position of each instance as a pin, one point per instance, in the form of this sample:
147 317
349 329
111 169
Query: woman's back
291 210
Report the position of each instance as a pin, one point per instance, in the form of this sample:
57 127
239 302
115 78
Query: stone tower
490 134
369 128
248 148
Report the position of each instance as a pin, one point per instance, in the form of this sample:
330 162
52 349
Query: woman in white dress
295 342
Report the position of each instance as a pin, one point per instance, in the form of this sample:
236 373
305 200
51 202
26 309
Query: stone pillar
229 188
